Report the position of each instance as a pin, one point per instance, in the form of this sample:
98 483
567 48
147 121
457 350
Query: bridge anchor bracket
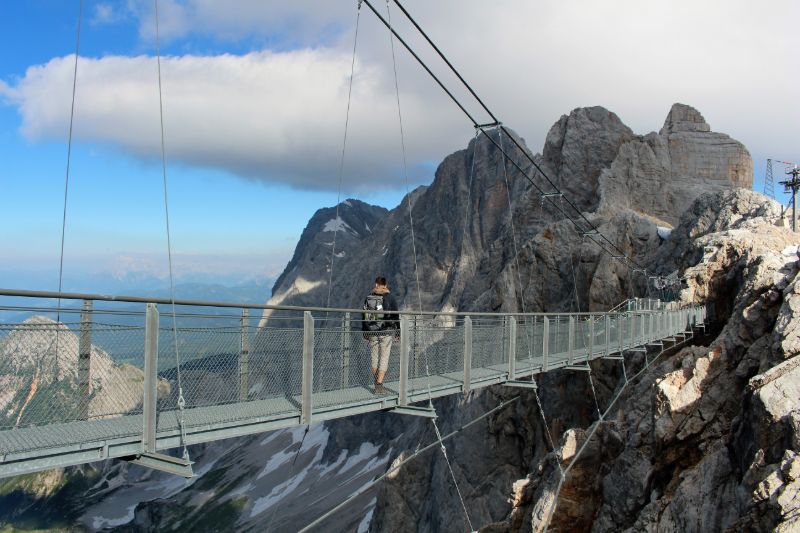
164 463
425 412
521 384
584 368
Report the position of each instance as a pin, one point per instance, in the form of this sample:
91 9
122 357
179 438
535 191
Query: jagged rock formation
707 440
306 276
39 375
468 259
661 174
466 252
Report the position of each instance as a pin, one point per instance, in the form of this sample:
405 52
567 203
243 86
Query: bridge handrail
112 382
23 293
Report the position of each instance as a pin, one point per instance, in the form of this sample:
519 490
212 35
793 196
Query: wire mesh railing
87 377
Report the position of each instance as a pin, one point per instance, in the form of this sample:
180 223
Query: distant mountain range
248 292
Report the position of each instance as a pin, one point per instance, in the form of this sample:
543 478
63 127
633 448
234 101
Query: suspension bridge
106 378
91 377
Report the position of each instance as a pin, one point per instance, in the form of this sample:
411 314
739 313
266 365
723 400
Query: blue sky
255 96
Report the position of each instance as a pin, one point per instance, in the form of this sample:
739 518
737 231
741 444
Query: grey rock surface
485 240
661 174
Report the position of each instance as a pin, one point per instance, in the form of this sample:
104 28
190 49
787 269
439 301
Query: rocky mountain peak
684 118
579 147
661 174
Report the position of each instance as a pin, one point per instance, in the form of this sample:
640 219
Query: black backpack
373 318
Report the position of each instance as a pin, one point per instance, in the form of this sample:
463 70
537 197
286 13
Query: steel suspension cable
487 110
181 399
361 490
405 164
583 332
596 425
514 237
416 264
344 148
69 161
468 205
291 473
575 222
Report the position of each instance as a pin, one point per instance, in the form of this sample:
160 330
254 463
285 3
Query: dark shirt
389 323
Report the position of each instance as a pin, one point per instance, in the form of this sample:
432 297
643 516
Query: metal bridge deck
115 394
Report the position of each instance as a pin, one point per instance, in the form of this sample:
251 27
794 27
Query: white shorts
380 346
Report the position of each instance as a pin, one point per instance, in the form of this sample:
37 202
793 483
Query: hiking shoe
380 389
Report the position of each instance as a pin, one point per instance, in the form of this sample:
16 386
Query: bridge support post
545 342
150 394
402 394
571 339
633 331
642 338
308 367
244 355
85 359
512 347
607 320
467 353
590 354
347 339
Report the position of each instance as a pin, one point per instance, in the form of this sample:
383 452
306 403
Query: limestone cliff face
486 240
661 174
579 147
39 377
470 259
705 440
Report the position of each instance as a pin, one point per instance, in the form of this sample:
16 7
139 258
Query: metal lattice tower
769 181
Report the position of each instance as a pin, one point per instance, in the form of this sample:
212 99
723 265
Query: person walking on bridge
380 329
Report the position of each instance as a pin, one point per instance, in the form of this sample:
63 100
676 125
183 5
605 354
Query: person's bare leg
379 377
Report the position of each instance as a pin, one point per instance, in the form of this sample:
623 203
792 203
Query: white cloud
264 115
279 115
106 13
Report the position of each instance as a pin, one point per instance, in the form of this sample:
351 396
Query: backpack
373 318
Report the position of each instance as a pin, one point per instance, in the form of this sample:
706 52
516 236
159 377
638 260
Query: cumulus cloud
263 115
279 115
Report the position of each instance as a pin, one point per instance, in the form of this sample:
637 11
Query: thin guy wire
452 475
485 107
181 400
405 165
522 295
291 473
344 147
469 191
516 249
594 427
583 332
361 490
69 160
414 249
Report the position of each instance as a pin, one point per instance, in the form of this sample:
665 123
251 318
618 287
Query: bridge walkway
101 382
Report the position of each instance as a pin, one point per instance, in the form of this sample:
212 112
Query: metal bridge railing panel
65 376
489 347
343 361
82 380
437 348
529 344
